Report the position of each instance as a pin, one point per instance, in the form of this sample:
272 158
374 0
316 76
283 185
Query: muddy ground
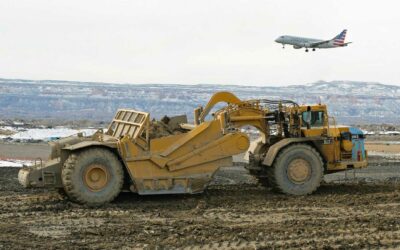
359 209
235 212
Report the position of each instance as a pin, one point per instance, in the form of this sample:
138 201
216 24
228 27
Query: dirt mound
235 214
166 126
6 132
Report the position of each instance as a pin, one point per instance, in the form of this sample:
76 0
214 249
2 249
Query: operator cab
314 120
347 143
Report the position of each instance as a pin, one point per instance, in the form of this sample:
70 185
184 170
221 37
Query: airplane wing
319 43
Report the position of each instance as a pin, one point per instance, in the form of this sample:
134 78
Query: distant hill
350 102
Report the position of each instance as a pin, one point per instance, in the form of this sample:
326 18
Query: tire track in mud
243 216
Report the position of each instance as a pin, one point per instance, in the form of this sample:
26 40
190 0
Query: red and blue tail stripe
339 39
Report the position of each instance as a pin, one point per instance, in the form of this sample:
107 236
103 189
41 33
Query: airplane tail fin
339 39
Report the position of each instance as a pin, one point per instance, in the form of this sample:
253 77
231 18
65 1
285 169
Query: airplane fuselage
304 42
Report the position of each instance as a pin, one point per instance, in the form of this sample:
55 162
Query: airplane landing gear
306 50
283 46
313 49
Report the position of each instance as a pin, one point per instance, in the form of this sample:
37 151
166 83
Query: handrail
330 135
334 125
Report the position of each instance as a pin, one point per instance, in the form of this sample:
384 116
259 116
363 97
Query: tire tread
72 189
272 170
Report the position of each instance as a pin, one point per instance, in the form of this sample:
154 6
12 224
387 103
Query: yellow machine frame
186 162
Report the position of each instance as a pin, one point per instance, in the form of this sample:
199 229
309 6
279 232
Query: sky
196 42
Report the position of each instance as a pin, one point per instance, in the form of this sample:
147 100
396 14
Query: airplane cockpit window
314 118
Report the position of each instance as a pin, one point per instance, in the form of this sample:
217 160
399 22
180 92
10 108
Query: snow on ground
14 163
389 155
10 128
389 132
48 134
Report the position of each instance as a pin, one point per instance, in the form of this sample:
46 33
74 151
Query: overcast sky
190 42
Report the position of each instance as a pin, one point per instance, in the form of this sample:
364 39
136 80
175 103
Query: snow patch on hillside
47 134
14 163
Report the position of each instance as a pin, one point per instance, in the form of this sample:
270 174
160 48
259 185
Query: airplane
311 43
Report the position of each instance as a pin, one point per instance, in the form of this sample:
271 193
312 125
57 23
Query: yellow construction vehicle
297 145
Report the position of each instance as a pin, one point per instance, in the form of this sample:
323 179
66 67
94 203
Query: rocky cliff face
349 102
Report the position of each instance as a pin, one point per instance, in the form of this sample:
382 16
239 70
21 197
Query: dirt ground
234 213
383 146
347 212
24 151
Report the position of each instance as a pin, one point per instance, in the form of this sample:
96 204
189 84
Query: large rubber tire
279 176
77 166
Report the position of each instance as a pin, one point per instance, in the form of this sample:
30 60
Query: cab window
315 118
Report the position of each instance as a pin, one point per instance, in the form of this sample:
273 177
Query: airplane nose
277 40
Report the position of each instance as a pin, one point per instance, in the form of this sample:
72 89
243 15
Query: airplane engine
296 47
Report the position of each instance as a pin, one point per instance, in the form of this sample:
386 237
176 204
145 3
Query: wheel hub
96 177
299 170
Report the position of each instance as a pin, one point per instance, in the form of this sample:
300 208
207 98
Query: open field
392 147
240 215
234 213
24 151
